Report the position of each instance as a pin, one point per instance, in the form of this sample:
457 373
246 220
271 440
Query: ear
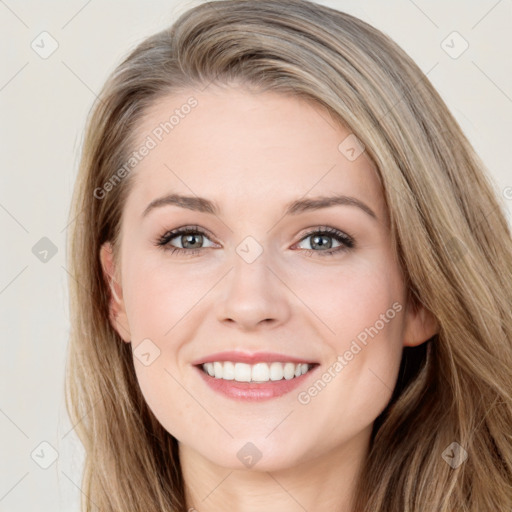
420 325
117 312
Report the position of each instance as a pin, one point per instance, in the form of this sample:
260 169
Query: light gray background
44 103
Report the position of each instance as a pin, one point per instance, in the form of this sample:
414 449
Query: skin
252 153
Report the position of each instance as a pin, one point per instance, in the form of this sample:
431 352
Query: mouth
254 377
258 373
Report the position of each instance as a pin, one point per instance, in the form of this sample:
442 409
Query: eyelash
346 240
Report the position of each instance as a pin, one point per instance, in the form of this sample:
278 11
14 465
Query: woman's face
265 268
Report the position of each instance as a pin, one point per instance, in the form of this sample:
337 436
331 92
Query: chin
257 455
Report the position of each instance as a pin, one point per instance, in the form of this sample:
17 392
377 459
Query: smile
259 372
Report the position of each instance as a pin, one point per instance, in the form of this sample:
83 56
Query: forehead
231 143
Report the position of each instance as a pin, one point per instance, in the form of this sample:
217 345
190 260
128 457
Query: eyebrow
201 204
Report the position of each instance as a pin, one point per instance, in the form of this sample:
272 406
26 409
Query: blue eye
319 237
188 237
191 239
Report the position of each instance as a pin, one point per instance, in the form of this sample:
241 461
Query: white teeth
242 372
217 368
228 371
276 371
208 367
259 372
289 371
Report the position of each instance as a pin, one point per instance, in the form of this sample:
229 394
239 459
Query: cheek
168 397
160 296
351 297
165 304
362 307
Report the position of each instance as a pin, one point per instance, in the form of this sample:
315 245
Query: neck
326 482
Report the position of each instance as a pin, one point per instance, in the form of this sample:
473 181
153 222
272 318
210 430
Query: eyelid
325 229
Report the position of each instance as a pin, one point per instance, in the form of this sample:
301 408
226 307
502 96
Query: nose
253 295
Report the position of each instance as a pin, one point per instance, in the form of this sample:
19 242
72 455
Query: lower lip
251 390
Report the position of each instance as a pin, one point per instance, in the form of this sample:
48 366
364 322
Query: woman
292 278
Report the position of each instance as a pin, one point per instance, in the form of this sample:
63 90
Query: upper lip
250 358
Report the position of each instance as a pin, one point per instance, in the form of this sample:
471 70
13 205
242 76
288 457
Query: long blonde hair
447 224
